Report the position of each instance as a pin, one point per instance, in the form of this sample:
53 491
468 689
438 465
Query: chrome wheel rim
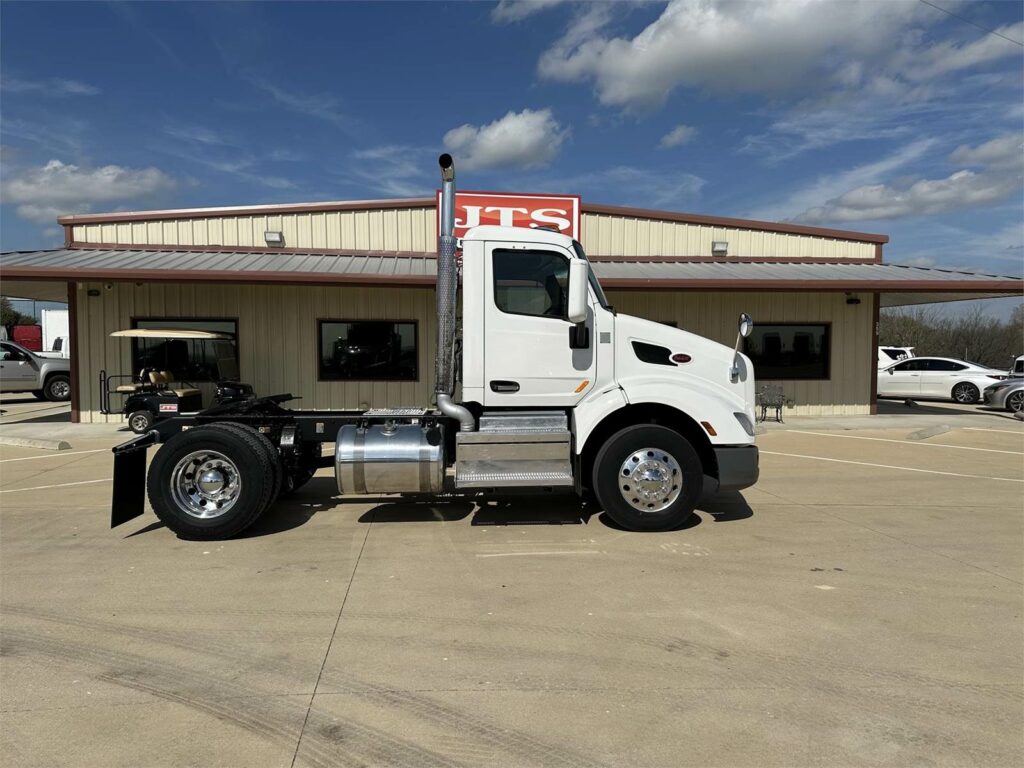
1016 401
964 393
205 484
650 480
60 389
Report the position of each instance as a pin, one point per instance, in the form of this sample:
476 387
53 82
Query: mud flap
129 494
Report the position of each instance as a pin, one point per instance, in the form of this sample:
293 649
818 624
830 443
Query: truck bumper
737 466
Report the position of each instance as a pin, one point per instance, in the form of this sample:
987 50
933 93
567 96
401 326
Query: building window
191 360
789 351
531 283
368 350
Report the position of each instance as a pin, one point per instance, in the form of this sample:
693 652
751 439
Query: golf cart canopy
168 333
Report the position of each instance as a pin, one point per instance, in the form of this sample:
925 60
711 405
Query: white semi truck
558 390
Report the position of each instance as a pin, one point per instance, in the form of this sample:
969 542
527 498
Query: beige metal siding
277 334
714 315
604 235
414 229
411 229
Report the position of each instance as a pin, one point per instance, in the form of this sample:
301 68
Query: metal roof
392 268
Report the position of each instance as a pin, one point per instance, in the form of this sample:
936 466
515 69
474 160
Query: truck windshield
594 285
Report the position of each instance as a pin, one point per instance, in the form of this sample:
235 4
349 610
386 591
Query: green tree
9 316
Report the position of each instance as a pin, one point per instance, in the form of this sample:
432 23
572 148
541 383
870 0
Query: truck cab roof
489 232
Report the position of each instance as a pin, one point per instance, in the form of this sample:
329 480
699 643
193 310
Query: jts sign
472 209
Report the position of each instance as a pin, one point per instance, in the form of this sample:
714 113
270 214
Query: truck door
17 371
528 360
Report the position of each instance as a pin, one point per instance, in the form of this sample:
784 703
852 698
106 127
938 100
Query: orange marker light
584 385
709 428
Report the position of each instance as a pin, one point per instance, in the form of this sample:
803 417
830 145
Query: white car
888 355
937 378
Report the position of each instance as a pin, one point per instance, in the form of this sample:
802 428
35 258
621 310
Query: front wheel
140 422
965 393
648 478
1015 401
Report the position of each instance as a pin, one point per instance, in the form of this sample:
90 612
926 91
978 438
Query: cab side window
531 282
12 354
909 365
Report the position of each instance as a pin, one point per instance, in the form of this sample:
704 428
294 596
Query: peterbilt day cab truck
557 390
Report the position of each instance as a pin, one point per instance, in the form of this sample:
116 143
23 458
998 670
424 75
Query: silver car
48 378
1008 394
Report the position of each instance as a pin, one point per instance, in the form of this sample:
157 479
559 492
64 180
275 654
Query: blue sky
890 117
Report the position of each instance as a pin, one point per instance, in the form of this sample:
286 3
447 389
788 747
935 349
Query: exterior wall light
274 238
719 248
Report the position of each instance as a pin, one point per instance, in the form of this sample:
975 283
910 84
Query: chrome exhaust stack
447 288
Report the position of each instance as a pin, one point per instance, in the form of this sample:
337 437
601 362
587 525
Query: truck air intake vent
652 353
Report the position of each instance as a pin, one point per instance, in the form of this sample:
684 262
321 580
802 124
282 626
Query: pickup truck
48 378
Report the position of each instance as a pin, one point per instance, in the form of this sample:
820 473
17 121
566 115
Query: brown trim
247 210
76 400
68 235
722 221
724 260
873 403
80 246
1011 287
878 252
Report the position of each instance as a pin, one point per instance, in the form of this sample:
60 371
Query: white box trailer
556 390
56 331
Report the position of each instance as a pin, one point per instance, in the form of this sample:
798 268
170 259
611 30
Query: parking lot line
907 442
58 485
57 455
1004 431
891 466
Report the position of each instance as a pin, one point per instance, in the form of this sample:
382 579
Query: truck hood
710 361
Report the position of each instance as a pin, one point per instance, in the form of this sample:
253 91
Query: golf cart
150 394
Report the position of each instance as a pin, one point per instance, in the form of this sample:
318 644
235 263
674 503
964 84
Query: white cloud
43 193
665 188
805 48
527 139
394 170
508 11
54 86
829 186
679 135
1005 150
319 106
998 178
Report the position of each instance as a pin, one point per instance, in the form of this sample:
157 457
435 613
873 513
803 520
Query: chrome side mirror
746 326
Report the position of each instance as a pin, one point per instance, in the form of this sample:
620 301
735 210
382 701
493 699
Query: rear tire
268 448
965 393
648 478
57 388
210 483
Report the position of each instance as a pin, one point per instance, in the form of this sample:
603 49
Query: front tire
965 393
140 422
57 388
1015 401
648 478
210 483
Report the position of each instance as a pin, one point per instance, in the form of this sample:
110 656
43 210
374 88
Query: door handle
504 386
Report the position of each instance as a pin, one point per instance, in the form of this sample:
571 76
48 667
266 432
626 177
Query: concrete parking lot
860 606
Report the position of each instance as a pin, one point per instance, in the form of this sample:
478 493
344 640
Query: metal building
287 281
